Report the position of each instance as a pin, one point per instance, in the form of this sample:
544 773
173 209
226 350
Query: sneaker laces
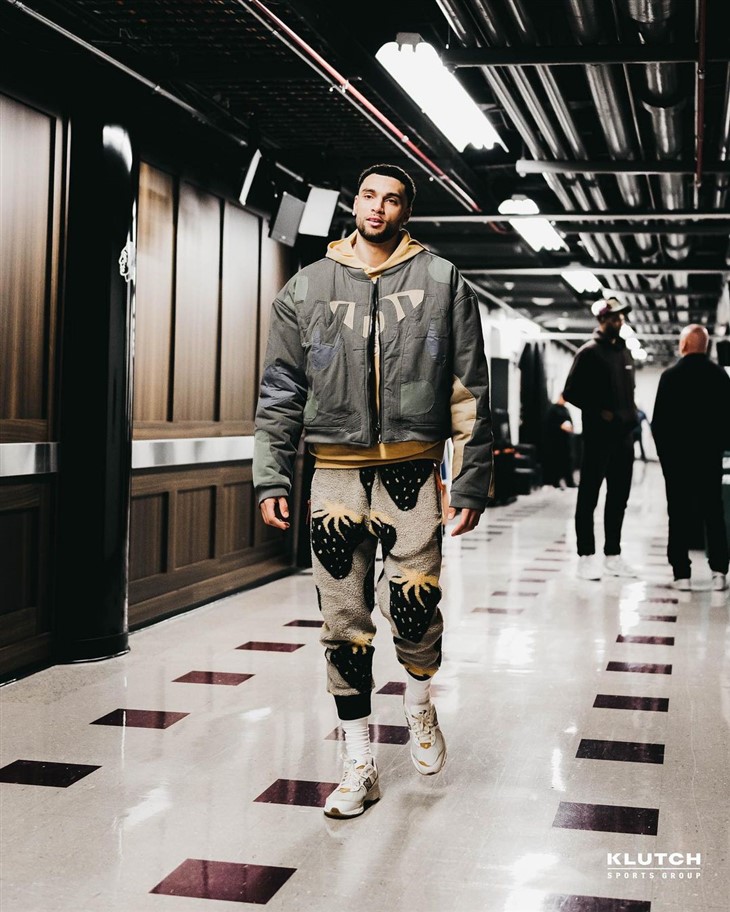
356 774
423 725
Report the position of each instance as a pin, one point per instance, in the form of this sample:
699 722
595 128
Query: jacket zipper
373 396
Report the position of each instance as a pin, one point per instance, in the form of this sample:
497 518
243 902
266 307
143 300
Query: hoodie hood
343 251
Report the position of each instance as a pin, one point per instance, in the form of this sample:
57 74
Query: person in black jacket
692 467
601 384
557 457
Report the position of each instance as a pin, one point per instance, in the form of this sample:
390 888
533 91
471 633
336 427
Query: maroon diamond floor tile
230 678
41 772
300 792
270 647
140 718
607 818
224 880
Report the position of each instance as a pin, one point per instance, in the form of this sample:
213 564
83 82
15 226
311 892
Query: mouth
375 222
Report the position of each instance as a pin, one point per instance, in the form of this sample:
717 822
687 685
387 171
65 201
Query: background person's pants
610 457
352 509
694 492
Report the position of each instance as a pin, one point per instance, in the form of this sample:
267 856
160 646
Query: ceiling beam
602 269
667 216
530 166
573 55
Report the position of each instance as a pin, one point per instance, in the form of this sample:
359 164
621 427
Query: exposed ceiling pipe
611 108
523 23
724 153
469 35
664 105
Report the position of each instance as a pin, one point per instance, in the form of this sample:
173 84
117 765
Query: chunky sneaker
719 581
358 788
588 568
683 584
614 565
428 748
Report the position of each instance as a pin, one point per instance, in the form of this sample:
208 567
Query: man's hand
275 512
468 520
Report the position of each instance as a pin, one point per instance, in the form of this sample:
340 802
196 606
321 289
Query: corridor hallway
588 728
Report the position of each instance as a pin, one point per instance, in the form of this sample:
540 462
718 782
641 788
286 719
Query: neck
375 254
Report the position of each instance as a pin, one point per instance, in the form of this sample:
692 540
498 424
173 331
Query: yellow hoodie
332 456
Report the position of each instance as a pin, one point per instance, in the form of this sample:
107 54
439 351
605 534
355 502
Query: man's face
611 325
380 208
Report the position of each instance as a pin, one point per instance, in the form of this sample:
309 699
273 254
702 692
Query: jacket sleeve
581 381
661 421
280 409
471 419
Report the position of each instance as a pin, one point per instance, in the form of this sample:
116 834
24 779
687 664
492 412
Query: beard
381 236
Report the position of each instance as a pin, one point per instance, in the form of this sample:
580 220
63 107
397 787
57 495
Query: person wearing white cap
601 385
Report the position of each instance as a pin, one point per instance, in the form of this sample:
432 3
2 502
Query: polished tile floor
588 726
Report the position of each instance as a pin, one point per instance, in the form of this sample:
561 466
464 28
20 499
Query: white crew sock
357 738
418 695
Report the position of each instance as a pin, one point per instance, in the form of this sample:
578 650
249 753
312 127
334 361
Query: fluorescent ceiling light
583 280
543 302
639 354
633 344
626 331
538 232
439 94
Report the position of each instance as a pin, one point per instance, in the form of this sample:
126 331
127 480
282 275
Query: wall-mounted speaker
285 224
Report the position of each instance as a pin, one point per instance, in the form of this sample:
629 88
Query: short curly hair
391 171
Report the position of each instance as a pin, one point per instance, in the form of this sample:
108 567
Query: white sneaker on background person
588 568
684 584
615 565
719 581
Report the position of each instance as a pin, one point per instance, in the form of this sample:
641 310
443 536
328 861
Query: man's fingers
269 512
468 522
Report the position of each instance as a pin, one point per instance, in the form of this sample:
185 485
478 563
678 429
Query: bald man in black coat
694 391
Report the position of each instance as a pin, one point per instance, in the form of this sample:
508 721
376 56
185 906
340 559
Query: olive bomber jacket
319 374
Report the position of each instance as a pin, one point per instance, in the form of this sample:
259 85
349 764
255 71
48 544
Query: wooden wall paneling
197 286
154 295
227 497
239 315
148 553
27 160
235 528
25 516
277 266
195 530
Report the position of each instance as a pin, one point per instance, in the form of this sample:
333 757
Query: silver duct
610 103
528 35
723 180
664 106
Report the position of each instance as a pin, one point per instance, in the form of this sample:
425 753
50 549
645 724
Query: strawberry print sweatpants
398 505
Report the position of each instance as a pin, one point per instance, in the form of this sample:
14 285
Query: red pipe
374 113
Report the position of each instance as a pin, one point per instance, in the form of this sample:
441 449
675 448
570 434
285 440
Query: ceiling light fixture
538 232
583 280
419 71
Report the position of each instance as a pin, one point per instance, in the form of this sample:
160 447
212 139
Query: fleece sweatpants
399 505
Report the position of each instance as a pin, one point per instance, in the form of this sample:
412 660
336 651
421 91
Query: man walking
695 388
601 384
376 352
